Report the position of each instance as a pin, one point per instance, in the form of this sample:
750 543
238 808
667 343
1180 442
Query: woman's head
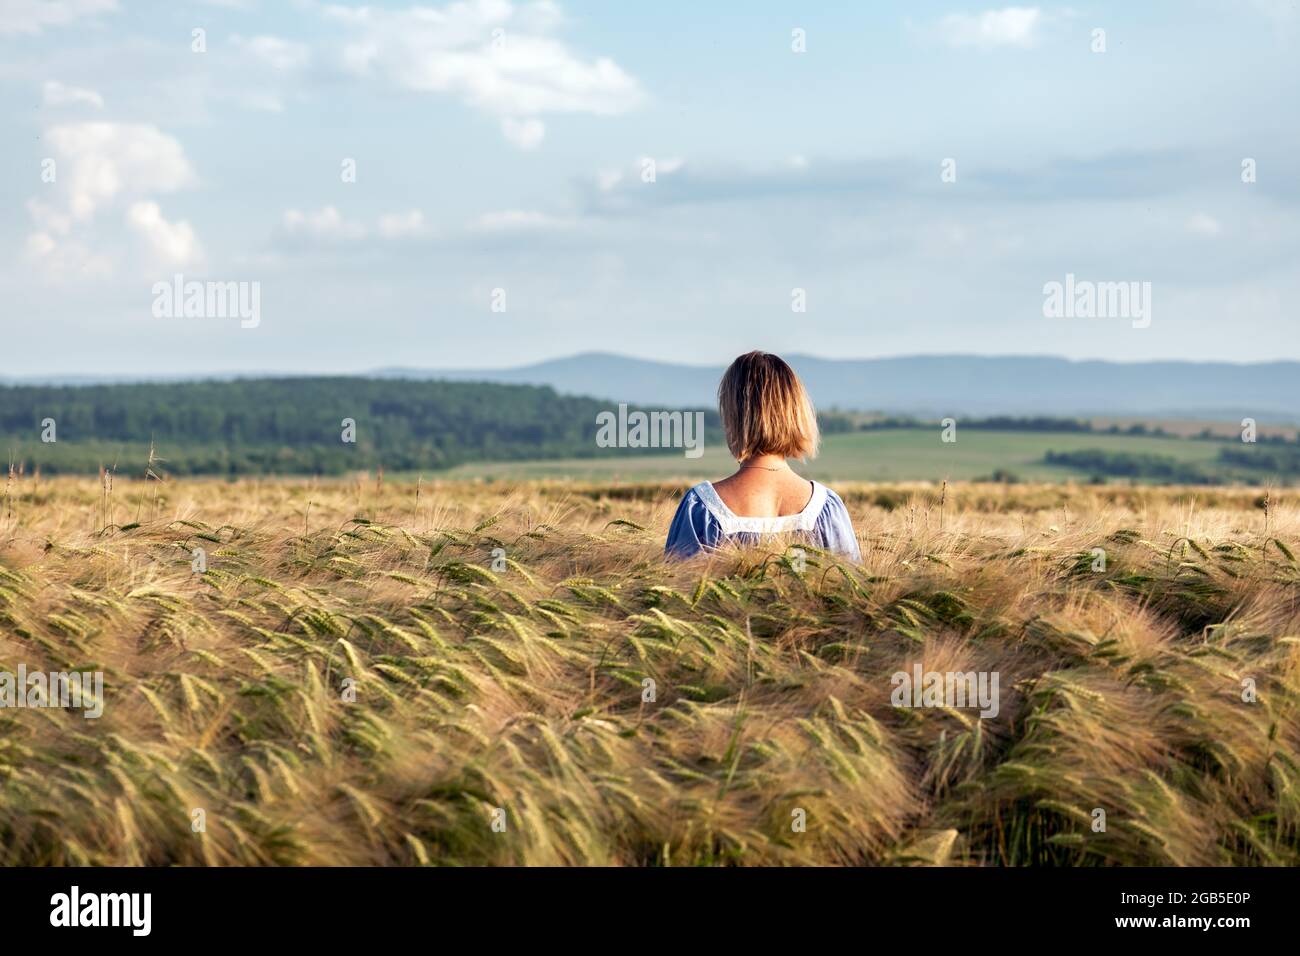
766 410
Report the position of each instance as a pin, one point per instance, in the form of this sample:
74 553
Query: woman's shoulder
700 503
697 497
836 527
831 509
694 527
826 499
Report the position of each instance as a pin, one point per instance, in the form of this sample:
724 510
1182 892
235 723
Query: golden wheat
464 673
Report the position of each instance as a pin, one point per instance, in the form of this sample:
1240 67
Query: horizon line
144 377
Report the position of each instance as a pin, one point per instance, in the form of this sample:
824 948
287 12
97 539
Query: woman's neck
764 463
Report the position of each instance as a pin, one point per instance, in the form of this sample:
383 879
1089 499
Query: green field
904 454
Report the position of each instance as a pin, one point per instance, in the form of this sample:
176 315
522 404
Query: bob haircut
766 410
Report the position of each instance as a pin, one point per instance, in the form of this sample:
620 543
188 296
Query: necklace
761 468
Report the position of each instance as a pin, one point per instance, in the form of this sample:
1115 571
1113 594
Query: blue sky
504 146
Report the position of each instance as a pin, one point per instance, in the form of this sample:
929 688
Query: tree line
297 425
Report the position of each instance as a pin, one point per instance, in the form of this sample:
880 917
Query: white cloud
55 93
1204 225
402 225
263 101
50 220
66 258
1010 26
172 244
637 173
325 224
491 54
97 166
32 16
97 162
526 134
662 167
518 220
541 16
279 54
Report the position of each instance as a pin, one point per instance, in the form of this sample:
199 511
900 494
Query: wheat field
462 673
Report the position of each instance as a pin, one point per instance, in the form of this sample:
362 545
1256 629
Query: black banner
337 905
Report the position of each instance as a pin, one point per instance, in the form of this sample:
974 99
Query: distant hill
938 385
929 386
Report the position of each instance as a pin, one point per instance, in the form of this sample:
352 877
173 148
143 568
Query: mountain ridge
918 385
937 385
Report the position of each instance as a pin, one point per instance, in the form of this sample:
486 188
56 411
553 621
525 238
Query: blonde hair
766 410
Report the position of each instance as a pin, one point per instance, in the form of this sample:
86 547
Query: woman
768 417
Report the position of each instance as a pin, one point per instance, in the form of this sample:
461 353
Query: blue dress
703 523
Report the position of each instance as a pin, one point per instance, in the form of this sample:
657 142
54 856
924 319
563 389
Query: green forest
1236 462
295 426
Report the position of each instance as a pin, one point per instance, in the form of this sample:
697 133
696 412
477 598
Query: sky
488 184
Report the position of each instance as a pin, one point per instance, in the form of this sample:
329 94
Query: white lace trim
733 523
